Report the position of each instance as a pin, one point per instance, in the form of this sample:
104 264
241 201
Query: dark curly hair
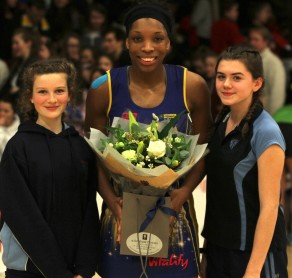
56 65
252 60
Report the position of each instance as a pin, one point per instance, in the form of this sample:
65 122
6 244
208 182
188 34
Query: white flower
155 117
130 155
147 158
177 140
156 148
141 164
169 145
151 166
111 144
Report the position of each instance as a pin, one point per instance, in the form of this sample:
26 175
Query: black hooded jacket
48 201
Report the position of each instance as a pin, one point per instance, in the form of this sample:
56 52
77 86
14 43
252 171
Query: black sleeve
87 253
22 215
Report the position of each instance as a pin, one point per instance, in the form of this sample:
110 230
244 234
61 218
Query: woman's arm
198 101
270 167
87 251
97 104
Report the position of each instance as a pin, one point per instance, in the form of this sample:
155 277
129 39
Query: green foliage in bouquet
149 148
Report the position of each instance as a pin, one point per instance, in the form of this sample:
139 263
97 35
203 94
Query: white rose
129 155
156 148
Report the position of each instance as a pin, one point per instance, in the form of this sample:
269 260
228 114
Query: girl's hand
203 266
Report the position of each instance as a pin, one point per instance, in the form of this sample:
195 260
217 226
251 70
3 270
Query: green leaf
140 147
103 143
176 155
133 124
168 151
167 161
164 132
183 154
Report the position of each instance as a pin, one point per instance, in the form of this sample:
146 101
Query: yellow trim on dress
185 89
110 92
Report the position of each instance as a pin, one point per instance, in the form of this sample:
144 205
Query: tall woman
48 184
244 224
150 86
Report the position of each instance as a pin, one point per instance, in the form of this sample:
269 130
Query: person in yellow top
35 19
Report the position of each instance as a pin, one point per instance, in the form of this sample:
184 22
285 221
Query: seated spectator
197 60
71 46
10 14
64 17
210 75
96 72
201 19
262 15
105 62
9 120
97 20
113 43
4 73
34 18
25 46
88 60
46 50
274 72
225 32
88 56
210 63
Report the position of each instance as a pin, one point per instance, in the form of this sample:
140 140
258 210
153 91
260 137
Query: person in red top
225 32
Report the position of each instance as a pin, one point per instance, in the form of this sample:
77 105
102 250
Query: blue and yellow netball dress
183 256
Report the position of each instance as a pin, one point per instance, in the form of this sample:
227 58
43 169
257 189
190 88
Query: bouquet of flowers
146 159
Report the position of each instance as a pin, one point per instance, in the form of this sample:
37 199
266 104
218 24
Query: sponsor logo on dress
172 261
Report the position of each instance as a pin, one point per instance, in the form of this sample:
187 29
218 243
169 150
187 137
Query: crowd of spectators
91 34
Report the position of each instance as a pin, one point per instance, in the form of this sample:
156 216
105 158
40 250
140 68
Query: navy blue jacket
50 222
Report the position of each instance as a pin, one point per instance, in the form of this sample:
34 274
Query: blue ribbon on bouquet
152 212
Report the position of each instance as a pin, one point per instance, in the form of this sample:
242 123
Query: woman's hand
116 208
178 197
